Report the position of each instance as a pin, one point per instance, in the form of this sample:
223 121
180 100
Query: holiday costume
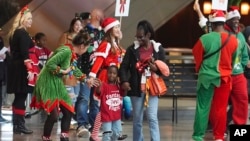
214 82
50 91
39 56
104 57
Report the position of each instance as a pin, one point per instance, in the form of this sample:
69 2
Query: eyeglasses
139 37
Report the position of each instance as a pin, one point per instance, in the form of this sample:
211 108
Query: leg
239 98
138 108
93 108
107 131
152 110
97 127
116 126
203 102
18 108
49 123
82 111
82 105
218 113
65 123
1 102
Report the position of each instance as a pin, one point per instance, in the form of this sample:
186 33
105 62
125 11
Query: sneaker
3 120
73 126
82 132
122 137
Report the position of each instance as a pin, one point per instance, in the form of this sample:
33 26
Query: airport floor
182 131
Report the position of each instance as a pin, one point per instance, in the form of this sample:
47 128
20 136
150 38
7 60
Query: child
39 54
110 95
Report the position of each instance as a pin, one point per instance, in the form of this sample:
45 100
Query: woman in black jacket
136 67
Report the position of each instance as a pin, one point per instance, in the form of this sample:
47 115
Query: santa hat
233 12
217 16
109 23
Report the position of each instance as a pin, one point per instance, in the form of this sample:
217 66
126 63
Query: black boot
19 125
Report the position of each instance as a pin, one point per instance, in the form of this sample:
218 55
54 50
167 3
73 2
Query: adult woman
50 93
20 68
66 38
142 49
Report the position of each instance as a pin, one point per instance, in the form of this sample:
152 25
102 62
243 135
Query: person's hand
2 56
126 86
152 65
196 6
96 82
248 64
30 76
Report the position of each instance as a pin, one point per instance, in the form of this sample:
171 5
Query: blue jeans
151 111
112 130
85 102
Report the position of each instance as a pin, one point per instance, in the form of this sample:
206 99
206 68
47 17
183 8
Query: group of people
221 56
89 52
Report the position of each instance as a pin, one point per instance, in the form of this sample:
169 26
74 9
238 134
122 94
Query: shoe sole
83 134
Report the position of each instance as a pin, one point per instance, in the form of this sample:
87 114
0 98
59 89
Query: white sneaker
83 132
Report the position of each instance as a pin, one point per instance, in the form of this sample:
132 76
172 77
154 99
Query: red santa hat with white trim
217 16
109 23
233 12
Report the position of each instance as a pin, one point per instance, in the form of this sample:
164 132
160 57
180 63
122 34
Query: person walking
132 79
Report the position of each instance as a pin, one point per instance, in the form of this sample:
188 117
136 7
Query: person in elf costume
50 93
239 94
108 53
238 111
214 77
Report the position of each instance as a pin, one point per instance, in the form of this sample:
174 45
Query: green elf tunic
50 91
211 72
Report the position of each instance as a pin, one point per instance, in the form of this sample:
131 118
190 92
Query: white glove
30 76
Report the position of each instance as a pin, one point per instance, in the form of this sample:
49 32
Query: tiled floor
181 131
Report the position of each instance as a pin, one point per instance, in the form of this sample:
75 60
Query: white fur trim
217 19
203 22
233 14
109 26
104 54
92 74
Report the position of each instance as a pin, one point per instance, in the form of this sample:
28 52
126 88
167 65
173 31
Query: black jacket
128 71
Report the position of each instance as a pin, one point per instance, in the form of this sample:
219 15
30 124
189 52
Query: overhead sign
122 7
220 4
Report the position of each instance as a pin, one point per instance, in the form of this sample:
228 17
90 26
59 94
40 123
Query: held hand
126 86
97 82
30 76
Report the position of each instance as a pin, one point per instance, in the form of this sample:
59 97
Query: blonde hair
18 22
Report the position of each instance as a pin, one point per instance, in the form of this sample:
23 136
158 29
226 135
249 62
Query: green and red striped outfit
214 82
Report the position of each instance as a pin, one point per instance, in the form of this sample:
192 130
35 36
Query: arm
53 64
202 19
198 53
100 54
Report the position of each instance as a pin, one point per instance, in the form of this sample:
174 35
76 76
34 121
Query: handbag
69 80
157 85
